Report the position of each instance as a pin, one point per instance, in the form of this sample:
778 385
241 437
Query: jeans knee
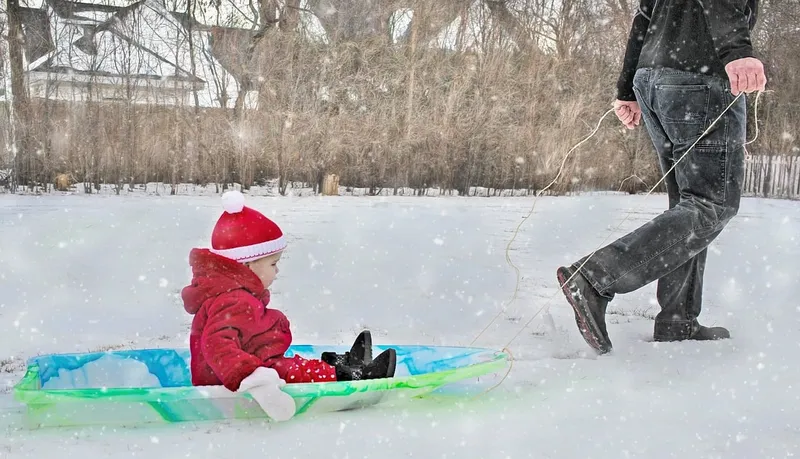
730 211
724 214
713 216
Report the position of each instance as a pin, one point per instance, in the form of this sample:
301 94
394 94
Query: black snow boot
589 307
360 353
382 367
679 330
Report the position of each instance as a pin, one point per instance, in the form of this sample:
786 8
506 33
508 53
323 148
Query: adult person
685 62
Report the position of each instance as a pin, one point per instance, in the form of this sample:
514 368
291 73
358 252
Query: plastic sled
154 385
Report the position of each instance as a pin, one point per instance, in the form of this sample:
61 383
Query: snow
83 273
104 372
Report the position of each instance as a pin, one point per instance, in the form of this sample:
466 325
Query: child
234 334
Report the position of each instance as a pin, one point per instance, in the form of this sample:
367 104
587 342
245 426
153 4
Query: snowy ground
81 273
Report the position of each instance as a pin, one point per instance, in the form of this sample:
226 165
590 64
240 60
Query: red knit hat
244 234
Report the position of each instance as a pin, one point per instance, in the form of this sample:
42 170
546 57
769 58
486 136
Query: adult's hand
628 112
746 75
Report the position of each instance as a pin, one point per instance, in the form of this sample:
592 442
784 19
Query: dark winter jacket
693 35
233 330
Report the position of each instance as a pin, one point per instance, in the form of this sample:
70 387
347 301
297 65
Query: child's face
266 268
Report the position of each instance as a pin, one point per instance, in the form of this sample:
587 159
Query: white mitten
264 386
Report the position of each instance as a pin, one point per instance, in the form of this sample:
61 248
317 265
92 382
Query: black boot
382 367
589 307
679 330
360 353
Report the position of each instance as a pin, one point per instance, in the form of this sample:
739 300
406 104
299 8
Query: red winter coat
233 331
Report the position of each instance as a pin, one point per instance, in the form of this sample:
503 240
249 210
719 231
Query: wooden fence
772 176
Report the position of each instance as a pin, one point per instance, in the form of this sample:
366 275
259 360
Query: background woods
391 94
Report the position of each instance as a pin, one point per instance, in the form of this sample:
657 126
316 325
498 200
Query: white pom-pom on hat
233 201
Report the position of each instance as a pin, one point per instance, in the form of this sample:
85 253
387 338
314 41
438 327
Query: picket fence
772 176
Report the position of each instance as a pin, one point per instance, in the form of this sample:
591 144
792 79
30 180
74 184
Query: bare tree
20 105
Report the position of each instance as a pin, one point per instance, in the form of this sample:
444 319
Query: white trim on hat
252 252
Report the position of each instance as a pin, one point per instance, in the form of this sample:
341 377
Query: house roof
229 46
100 73
77 10
36 26
185 20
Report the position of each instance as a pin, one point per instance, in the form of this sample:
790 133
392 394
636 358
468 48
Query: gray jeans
704 191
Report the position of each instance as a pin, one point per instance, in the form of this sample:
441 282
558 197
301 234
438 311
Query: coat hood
213 275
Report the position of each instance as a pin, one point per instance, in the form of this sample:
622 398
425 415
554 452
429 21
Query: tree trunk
20 103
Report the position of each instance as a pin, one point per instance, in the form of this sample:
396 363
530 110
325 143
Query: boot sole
589 329
367 346
390 369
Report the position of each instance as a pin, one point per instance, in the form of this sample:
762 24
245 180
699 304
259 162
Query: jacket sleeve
641 22
728 22
299 370
221 342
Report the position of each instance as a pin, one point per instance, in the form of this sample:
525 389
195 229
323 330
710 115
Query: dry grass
382 116
498 123
11 365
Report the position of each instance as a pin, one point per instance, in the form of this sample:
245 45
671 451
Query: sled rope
530 212
546 307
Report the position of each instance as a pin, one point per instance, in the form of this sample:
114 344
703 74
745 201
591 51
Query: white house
141 52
